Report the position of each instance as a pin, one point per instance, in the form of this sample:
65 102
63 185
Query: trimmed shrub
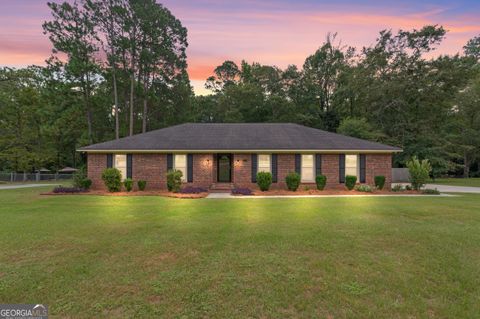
241 191
293 181
174 180
112 178
363 188
430 191
379 181
408 187
193 190
80 179
419 172
68 190
264 180
128 183
86 183
321 181
141 185
350 182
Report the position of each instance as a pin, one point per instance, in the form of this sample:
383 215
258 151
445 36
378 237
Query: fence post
56 176
11 177
37 176
24 176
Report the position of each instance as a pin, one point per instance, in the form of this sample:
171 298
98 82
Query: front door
224 168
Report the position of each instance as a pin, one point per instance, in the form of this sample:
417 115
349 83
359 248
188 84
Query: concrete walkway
454 189
449 188
15 186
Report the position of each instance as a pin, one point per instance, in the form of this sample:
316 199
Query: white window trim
357 166
302 180
269 161
114 164
185 172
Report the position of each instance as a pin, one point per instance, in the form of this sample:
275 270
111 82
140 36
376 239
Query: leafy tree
72 32
472 48
360 128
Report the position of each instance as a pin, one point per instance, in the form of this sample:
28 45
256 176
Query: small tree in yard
174 180
293 181
112 178
419 172
264 180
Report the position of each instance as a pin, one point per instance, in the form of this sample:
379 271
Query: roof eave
328 151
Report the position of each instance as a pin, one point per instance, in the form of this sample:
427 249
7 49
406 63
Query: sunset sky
270 32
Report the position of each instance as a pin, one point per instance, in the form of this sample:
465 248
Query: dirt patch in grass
134 193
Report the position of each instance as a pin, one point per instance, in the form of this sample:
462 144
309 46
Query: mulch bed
284 192
134 193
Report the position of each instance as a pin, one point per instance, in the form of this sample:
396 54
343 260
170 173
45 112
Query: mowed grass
470 182
93 256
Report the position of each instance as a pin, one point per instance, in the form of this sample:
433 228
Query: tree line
119 67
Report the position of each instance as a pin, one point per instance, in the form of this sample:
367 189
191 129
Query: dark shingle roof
238 136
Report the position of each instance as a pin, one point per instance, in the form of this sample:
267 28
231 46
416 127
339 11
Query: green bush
321 181
419 172
112 179
128 183
293 181
80 179
398 188
174 180
86 183
264 180
379 181
408 187
363 188
430 191
141 185
350 181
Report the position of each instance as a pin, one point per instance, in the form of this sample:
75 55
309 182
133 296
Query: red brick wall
96 163
379 164
242 168
203 170
151 168
330 167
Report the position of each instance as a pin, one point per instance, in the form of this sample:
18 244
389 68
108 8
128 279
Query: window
351 165
308 167
264 163
120 163
180 163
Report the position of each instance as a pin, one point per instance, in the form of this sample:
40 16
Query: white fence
33 177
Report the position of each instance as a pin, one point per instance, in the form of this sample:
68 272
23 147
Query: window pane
120 163
351 165
307 168
263 163
180 163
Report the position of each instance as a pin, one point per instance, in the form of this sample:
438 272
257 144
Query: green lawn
472 182
93 256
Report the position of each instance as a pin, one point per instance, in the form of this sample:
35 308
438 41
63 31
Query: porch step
221 187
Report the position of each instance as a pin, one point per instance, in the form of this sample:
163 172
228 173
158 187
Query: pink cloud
269 32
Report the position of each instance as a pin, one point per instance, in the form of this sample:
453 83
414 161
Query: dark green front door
224 168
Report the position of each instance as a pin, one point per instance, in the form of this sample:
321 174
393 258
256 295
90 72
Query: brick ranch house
214 155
